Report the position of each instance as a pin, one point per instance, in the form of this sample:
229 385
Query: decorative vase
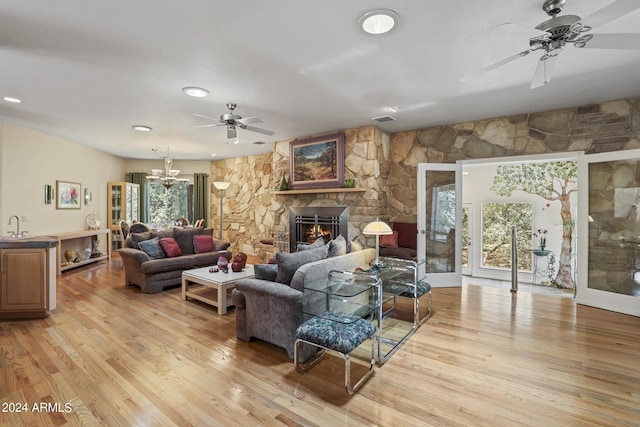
236 266
284 185
223 263
241 257
68 255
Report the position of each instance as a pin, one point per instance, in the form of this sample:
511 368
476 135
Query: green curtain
140 178
200 192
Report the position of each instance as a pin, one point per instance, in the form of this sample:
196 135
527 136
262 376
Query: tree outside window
165 205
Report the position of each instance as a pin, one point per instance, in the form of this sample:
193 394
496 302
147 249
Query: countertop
27 242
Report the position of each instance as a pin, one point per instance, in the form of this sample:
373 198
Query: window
165 205
498 219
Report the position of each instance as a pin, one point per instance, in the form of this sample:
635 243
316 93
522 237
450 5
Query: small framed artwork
68 195
48 194
317 162
88 196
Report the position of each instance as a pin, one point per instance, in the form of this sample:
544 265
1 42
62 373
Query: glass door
440 223
467 232
609 231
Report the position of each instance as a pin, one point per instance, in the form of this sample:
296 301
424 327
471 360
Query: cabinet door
116 203
23 286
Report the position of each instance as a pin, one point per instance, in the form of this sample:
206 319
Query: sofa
403 243
269 307
154 260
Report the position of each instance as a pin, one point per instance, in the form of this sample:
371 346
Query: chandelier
170 176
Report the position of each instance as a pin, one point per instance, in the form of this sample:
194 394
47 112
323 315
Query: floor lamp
377 228
221 185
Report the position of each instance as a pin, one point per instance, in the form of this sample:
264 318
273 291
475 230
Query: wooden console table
78 241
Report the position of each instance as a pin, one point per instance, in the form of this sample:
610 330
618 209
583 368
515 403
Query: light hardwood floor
116 357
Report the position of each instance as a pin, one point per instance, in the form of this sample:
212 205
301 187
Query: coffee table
213 287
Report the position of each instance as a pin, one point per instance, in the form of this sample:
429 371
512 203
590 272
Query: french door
609 231
440 223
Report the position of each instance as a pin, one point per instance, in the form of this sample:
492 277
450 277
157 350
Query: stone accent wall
609 126
254 210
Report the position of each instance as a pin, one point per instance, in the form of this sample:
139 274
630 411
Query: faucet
17 233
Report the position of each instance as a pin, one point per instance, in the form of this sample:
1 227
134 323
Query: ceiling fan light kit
559 31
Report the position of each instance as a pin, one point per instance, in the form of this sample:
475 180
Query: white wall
30 159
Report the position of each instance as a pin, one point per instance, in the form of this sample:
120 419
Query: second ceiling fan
233 121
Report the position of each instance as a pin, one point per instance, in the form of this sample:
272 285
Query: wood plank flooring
112 356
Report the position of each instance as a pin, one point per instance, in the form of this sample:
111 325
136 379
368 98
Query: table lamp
377 228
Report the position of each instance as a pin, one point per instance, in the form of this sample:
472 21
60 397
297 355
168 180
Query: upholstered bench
338 332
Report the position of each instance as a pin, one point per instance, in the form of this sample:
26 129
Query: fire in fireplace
306 224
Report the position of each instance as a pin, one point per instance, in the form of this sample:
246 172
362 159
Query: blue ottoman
337 332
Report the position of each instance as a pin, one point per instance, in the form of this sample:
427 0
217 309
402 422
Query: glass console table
398 306
387 295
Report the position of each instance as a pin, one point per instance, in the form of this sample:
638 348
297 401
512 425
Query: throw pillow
220 245
304 247
356 246
407 234
184 238
203 243
266 272
389 240
337 246
136 238
288 263
152 248
170 247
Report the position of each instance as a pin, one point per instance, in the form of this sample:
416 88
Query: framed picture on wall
68 195
317 162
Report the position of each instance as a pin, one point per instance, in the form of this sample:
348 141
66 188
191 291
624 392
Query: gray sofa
272 311
153 275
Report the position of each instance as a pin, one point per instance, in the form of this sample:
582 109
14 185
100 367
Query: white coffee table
214 286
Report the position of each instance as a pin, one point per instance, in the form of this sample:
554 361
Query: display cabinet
123 206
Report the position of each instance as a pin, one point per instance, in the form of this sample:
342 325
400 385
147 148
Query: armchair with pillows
154 260
270 307
403 243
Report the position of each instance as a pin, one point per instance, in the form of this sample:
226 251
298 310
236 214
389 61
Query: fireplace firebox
306 224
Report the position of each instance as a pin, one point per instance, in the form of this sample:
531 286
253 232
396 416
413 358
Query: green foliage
497 221
547 179
167 204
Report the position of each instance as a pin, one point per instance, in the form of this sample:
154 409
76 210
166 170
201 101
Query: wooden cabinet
24 283
123 205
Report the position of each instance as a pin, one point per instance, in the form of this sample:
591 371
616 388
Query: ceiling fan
233 121
553 35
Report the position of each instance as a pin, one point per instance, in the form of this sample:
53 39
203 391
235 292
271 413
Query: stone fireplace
306 224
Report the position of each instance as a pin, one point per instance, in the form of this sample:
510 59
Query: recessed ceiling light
378 21
213 154
141 128
10 99
196 92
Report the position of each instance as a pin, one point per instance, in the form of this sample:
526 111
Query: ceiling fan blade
497 65
231 132
206 126
259 130
545 67
518 31
614 41
250 120
609 13
206 117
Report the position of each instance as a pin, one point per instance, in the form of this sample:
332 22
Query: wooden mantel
320 190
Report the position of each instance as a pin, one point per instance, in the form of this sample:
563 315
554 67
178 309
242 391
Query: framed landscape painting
67 195
317 162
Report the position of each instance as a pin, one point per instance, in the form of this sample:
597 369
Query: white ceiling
88 70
